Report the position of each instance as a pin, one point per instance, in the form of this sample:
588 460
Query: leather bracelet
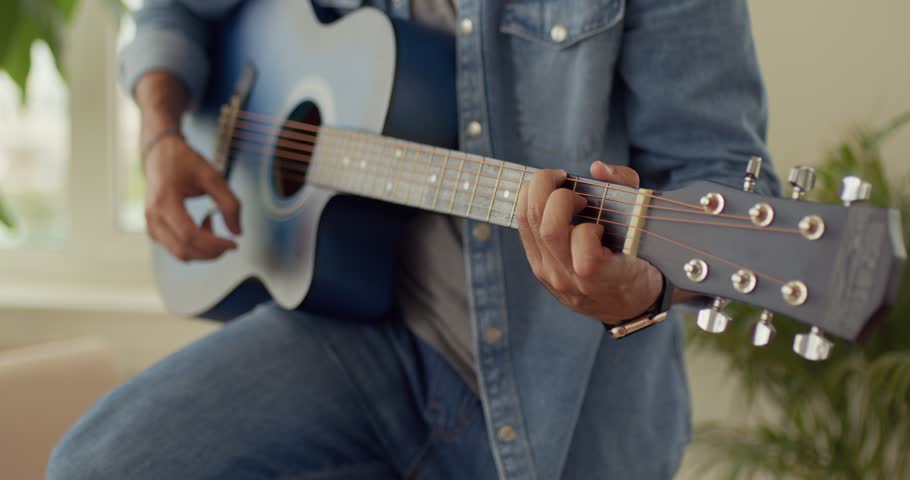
656 313
149 145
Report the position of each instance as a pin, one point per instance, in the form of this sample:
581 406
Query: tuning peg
813 345
854 189
753 169
802 179
714 320
763 331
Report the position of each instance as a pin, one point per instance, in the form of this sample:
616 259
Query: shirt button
467 26
506 434
482 232
558 33
492 335
474 129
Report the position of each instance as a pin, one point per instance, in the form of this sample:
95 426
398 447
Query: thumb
614 174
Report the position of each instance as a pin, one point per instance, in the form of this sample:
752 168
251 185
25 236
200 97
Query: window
34 153
63 161
130 186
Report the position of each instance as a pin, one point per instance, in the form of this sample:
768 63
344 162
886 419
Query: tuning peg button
753 169
813 345
763 331
802 179
854 189
713 320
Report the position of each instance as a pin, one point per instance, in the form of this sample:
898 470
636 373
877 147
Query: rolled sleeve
172 35
169 51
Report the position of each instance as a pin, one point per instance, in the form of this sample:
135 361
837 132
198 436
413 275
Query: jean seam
362 397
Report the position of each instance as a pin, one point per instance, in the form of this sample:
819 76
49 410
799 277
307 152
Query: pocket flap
560 23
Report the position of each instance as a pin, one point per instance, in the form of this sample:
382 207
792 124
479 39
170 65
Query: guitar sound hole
293 148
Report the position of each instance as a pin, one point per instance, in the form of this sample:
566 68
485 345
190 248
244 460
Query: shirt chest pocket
560 23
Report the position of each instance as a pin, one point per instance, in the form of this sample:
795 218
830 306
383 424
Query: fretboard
456 183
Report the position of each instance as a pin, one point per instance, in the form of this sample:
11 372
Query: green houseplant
846 418
23 22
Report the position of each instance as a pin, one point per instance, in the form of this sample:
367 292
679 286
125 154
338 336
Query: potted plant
845 418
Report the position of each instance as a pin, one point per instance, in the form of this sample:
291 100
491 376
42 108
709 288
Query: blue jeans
286 395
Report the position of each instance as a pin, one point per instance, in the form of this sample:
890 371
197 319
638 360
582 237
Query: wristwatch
656 313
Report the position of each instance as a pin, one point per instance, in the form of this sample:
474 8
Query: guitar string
305 158
301 126
304 147
482 196
699 251
293 159
666 239
292 125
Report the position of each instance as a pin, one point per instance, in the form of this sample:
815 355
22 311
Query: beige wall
828 65
831 64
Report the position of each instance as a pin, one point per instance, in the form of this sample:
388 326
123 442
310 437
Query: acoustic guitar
332 152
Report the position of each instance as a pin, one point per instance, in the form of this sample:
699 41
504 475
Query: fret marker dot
506 194
363 164
388 187
432 178
398 152
346 161
466 185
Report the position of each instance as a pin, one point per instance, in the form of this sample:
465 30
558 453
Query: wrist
162 100
655 313
150 143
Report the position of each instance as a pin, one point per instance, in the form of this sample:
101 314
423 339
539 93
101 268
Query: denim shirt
671 88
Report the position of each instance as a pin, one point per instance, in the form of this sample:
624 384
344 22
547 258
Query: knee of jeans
92 449
71 460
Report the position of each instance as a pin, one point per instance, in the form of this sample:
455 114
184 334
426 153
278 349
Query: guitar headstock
836 268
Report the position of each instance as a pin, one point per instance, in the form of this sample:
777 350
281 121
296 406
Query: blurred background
79 310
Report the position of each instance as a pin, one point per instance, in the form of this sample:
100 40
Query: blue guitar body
305 246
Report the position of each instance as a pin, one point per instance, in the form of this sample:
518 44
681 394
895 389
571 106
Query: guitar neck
460 184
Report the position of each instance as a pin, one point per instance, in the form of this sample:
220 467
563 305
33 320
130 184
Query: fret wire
445 165
343 180
462 155
580 216
474 190
500 181
351 156
353 151
389 187
385 165
404 156
603 200
495 188
455 187
517 193
334 173
364 161
429 171
359 159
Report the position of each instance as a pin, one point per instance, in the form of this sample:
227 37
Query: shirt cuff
169 51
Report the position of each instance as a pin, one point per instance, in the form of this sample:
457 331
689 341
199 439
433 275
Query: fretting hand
570 260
